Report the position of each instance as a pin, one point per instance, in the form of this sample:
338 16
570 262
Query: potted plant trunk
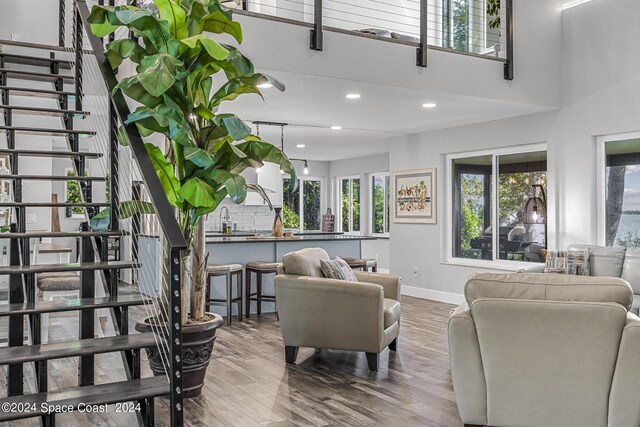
183 76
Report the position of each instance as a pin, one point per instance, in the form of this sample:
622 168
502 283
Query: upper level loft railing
474 27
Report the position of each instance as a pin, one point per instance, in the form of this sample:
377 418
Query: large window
622 192
302 208
349 204
380 213
519 210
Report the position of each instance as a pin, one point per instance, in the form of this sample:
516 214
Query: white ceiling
312 104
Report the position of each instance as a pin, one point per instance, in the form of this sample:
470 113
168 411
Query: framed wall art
414 199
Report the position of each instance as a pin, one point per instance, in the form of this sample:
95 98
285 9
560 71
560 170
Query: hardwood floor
249 384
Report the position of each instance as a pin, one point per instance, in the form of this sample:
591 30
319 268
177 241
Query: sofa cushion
552 287
604 260
631 269
337 269
70 282
391 312
305 262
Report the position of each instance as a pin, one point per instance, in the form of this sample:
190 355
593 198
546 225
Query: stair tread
52 92
85 347
39 110
61 305
54 178
45 153
50 234
54 268
51 205
34 60
44 131
30 75
110 393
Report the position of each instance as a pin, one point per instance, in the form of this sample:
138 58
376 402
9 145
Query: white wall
601 95
36 21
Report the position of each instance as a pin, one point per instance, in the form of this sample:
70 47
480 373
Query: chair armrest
391 283
328 313
534 269
624 399
467 372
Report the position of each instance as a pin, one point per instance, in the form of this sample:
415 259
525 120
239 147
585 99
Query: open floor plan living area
314 213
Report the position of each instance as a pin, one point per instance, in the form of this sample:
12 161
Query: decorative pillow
337 269
575 263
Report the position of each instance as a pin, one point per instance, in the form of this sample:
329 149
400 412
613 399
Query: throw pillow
574 263
337 269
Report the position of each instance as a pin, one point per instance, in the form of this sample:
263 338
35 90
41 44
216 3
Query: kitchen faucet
224 225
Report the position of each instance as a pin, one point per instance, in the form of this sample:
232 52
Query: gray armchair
335 314
546 350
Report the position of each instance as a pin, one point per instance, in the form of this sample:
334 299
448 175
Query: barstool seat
227 270
363 263
259 268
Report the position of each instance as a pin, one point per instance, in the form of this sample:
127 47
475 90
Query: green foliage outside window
472 207
73 194
461 25
353 207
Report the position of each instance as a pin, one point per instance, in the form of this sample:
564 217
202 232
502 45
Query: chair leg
259 289
373 359
44 321
374 269
239 280
229 296
290 354
393 345
247 293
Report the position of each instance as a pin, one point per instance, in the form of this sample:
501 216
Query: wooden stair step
53 178
85 347
51 132
54 234
62 305
45 153
51 205
33 92
110 393
35 60
37 111
71 267
30 75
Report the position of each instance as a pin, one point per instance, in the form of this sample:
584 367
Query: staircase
24 81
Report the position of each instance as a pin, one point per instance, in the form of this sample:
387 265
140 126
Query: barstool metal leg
259 289
247 293
229 297
239 280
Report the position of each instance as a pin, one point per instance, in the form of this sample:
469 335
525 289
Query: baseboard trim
448 297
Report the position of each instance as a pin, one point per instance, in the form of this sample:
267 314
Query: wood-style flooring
249 384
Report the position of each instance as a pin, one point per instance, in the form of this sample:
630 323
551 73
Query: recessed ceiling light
300 145
429 105
266 85
353 96
336 127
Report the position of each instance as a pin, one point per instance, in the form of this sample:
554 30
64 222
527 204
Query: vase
278 227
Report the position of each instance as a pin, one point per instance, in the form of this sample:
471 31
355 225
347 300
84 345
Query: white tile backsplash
248 217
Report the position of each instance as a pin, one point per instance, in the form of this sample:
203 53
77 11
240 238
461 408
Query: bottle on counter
278 227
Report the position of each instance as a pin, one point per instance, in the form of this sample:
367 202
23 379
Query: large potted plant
182 77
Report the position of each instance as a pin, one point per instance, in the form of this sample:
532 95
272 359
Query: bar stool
260 268
364 264
227 270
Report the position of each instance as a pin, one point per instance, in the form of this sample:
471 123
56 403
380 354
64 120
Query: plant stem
199 259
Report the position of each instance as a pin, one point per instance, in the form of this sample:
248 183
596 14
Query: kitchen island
241 248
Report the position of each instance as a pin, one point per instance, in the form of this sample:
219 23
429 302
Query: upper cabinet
270 178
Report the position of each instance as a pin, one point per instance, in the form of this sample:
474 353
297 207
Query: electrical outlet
15 37
31 218
415 272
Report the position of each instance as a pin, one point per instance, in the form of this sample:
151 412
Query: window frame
601 181
301 181
449 236
387 201
338 201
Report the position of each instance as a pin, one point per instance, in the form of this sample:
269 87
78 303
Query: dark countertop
302 238
268 232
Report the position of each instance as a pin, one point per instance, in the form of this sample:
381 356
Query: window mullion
495 235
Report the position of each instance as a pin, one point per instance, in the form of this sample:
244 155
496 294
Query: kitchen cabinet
270 178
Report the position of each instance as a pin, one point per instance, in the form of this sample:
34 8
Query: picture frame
415 196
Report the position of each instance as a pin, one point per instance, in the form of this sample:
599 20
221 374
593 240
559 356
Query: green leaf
159 73
262 192
129 208
165 173
119 50
231 90
197 193
213 48
218 198
217 22
134 90
236 128
101 220
235 184
176 17
198 156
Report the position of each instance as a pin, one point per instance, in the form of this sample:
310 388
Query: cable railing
475 27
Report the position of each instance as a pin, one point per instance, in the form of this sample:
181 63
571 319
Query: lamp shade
535 210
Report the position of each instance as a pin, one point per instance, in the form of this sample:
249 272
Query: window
301 208
622 192
349 204
380 213
519 210
72 195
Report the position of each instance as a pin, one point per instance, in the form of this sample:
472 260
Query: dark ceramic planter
197 345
